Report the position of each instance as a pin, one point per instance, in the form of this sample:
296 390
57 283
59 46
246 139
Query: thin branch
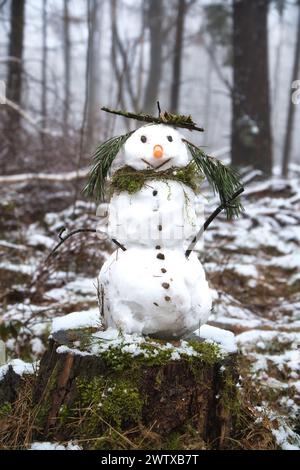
208 221
153 119
29 119
75 232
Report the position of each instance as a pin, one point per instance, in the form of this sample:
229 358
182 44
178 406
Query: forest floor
253 265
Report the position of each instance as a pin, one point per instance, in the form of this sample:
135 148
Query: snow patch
77 320
19 367
224 338
54 446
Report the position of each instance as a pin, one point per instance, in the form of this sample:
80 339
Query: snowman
149 286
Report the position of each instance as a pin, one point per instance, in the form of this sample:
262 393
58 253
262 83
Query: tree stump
132 392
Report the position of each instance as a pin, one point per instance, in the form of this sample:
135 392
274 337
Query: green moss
131 180
153 353
230 399
209 353
116 401
5 410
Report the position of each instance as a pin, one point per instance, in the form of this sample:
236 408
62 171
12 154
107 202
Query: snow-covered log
51 177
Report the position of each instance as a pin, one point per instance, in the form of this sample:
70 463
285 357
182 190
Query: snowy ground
253 264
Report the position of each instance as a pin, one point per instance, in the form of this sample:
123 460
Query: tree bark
162 397
94 75
251 128
44 65
15 67
292 107
67 68
177 61
155 24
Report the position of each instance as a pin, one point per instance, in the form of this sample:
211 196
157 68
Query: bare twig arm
75 232
210 219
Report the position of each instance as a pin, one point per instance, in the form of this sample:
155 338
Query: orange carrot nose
158 151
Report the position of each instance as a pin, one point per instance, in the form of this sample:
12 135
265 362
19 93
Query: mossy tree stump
144 394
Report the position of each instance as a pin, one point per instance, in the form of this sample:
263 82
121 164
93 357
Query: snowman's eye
170 138
144 139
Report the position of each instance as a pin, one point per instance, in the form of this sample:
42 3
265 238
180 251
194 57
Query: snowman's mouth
156 167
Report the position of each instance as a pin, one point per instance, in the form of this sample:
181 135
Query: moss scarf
131 180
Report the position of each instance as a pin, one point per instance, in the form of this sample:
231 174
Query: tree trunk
251 128
67 68
44 66
155 24
94 74
292 107
178 47
114 399
15 66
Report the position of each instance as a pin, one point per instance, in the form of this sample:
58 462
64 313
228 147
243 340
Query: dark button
158 247
160 228
165 285
163 270
167 298
160 256
154 193
156 305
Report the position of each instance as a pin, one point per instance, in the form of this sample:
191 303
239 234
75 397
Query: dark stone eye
170 138
144 139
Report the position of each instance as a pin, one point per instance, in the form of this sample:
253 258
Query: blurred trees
44 63
251 126
67 66
154 21
15 59
182 52
177 55
292 107
94 71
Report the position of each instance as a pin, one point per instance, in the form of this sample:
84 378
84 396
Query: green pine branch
224 180
102 161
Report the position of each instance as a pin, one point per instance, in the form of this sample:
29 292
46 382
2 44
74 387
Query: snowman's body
161 213
152 288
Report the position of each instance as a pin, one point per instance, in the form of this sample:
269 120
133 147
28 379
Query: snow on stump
12 379
114 391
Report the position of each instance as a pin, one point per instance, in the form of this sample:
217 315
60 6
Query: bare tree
292 108
251 127
67 67
178 49
155 15
15 66
44 63
94 72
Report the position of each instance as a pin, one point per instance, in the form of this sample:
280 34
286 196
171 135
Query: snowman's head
156 146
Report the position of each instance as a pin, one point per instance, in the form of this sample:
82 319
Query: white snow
136 152
284 435
224 338
134 345
18 268
76 320
19 367
168 297
81 286
39 239
54 446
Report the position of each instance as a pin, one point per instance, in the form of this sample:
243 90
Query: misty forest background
231 65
